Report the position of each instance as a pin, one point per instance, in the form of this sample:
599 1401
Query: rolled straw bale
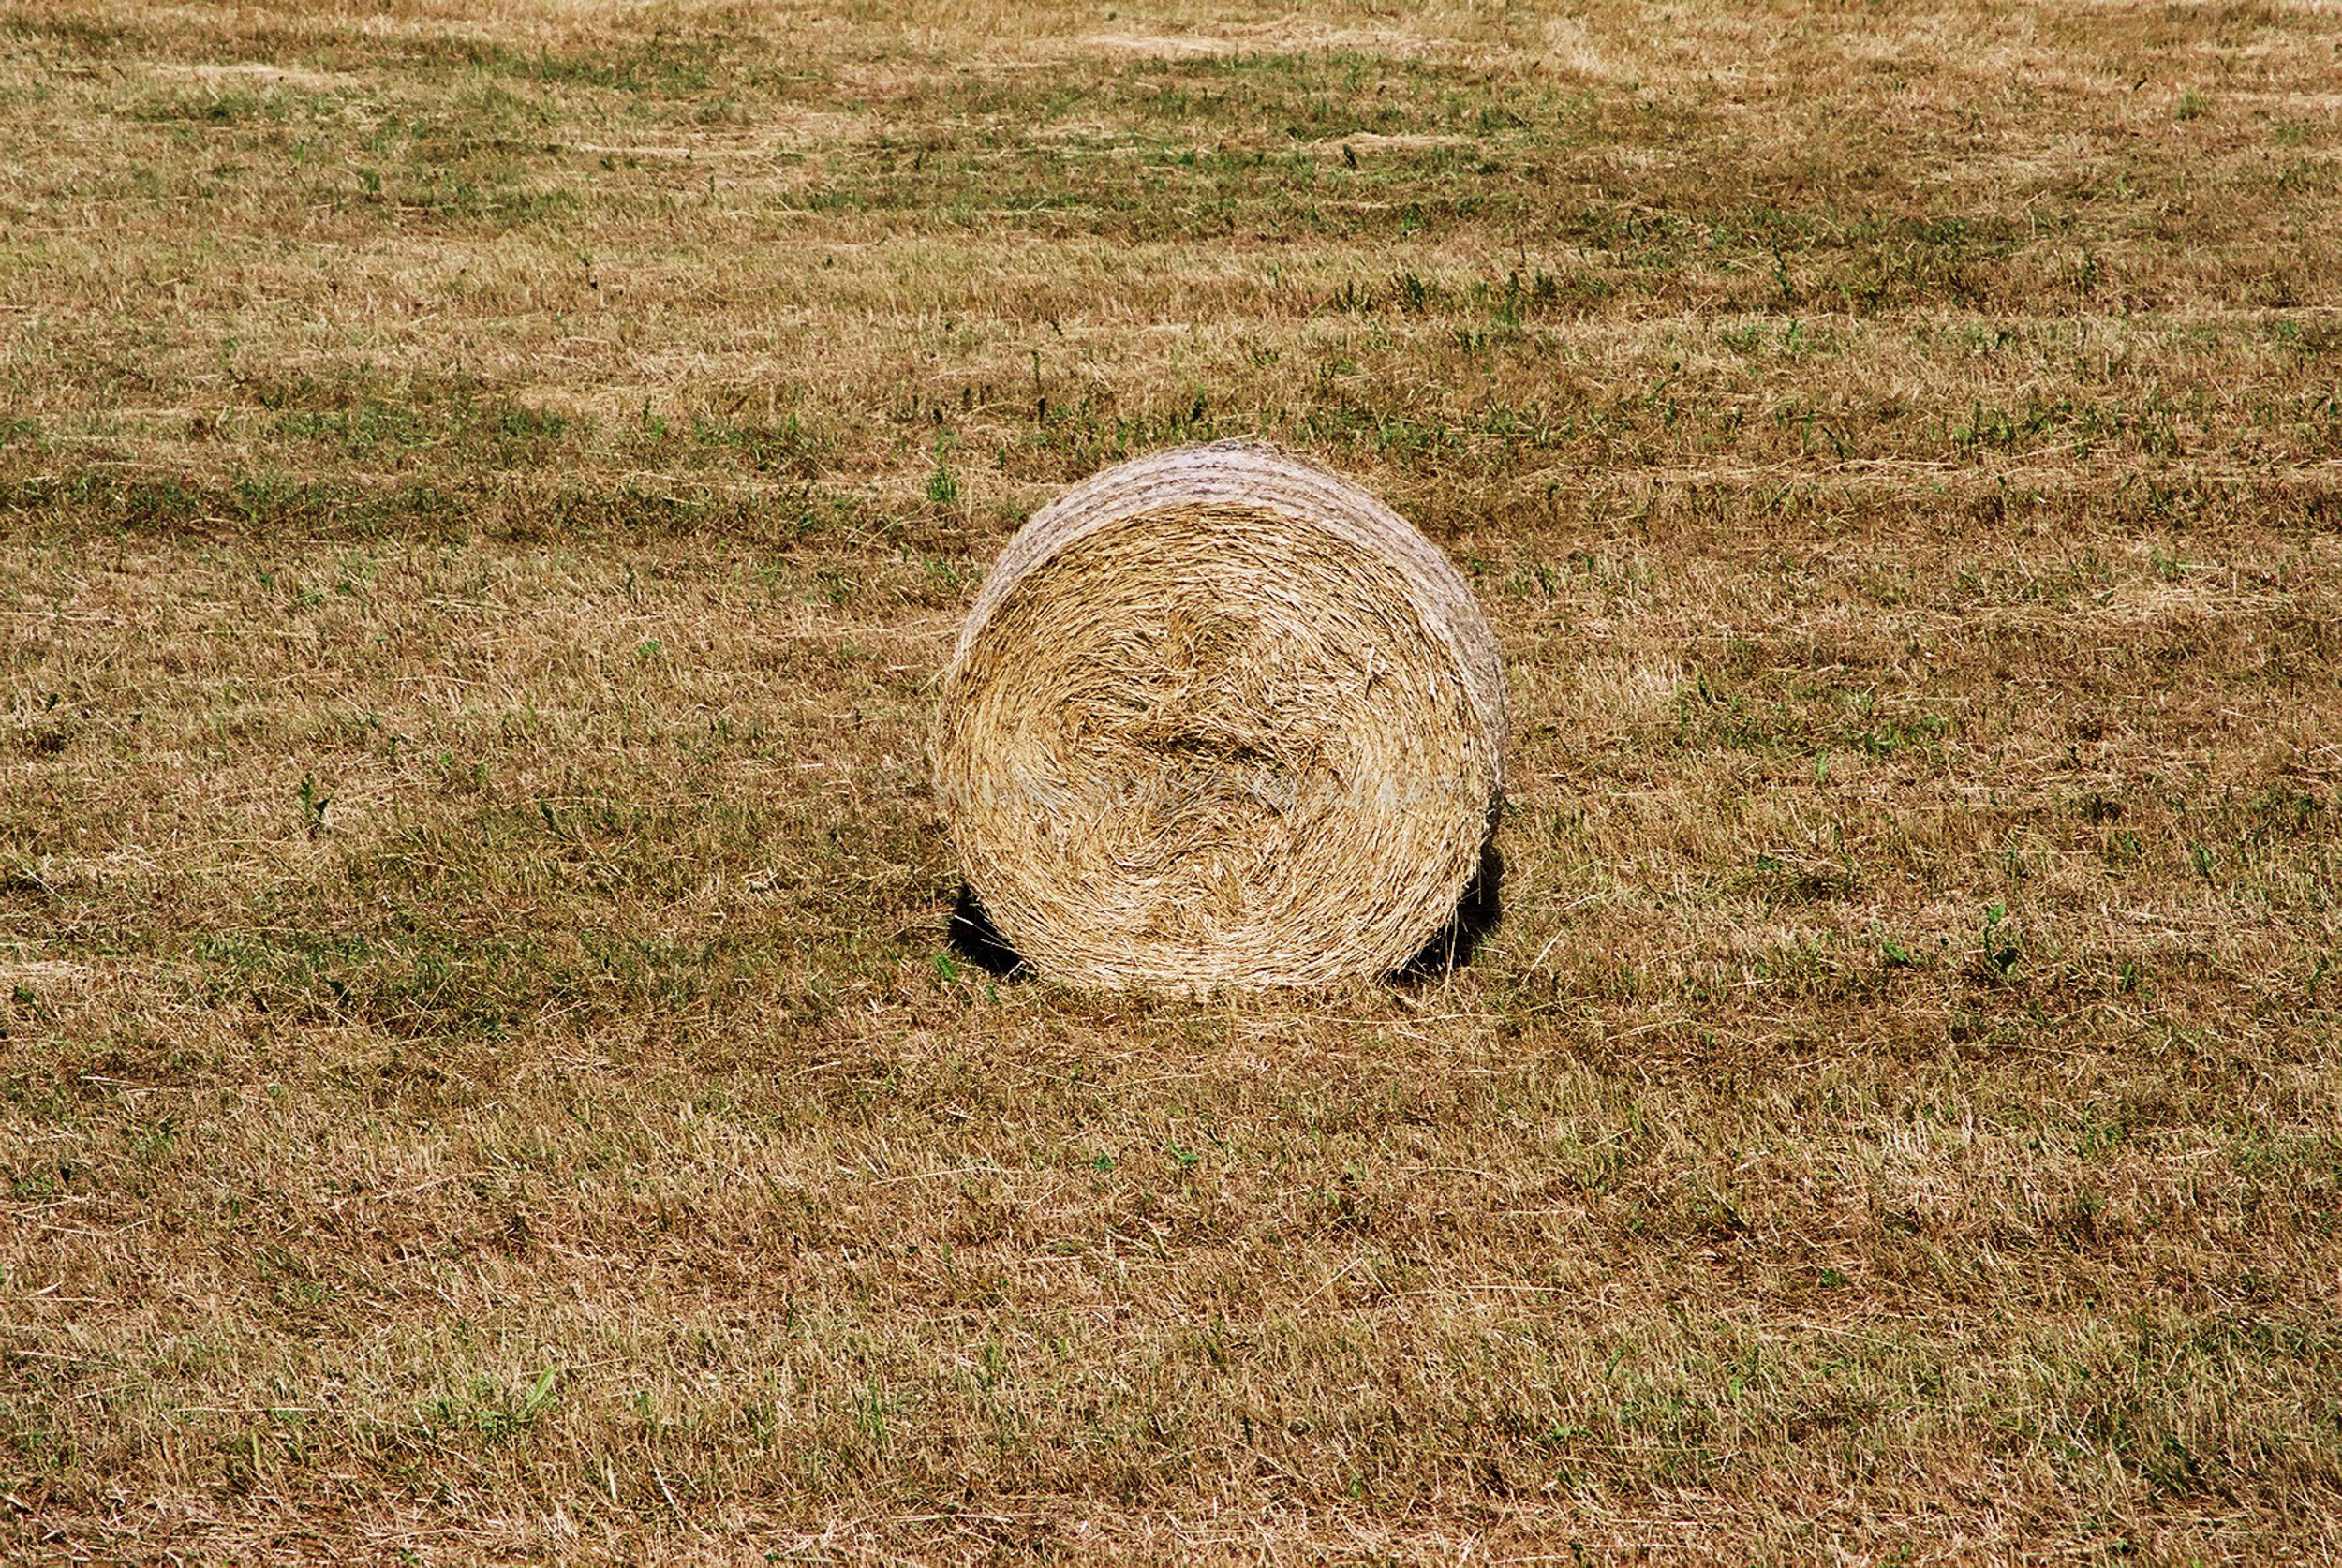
1218 717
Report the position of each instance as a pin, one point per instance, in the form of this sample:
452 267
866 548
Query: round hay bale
1218 717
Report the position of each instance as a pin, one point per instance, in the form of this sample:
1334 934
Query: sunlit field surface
485 492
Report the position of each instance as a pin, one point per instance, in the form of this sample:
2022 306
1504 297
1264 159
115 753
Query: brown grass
486 492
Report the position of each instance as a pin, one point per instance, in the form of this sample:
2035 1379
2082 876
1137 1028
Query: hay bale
1218 717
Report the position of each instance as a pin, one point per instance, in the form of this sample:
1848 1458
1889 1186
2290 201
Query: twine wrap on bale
1218 717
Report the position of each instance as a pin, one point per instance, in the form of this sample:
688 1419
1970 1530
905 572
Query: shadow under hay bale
972 936
1477 913
1220 718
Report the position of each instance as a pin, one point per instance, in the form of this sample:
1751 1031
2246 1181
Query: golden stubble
486 491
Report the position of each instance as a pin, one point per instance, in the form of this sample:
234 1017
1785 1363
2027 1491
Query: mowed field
486 491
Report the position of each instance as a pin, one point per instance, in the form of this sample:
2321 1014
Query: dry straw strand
1220 717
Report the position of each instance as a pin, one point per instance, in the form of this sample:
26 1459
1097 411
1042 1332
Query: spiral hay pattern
1218 717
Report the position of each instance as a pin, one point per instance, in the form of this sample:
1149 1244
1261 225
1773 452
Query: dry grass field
486 492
